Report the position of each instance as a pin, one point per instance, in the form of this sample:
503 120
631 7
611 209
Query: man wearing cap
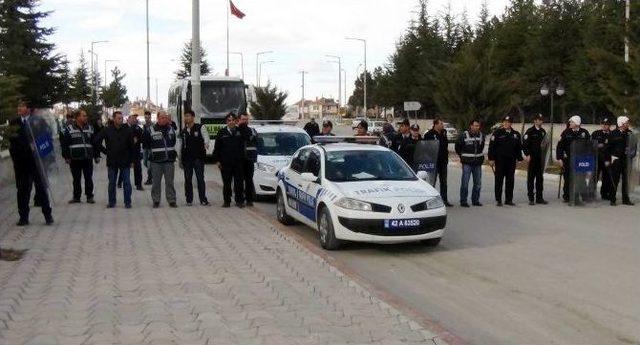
563 151
602 137
505 149
403 144
533 151
438 133
327 128
228 150
362 130
617 151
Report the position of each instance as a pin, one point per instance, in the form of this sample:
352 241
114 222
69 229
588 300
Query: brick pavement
192 275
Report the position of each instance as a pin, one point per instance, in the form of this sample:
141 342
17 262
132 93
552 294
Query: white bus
219 96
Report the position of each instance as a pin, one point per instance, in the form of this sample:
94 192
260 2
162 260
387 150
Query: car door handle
299 186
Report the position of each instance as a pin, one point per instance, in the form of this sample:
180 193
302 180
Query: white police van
276 142
358 192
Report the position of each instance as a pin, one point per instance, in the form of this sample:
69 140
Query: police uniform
532 147
404 145
161 142
505 148
228 151
193 153
470 148
77 148
250 158
563 153
443 159
602 137
617 156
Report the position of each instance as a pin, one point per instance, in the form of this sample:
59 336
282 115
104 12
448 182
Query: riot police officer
602 137
533 146
403 144
505 149
617 151
78 151
228 148
160 140
250 158
438 133
563 152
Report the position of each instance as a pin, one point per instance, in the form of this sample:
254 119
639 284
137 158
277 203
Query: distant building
320 108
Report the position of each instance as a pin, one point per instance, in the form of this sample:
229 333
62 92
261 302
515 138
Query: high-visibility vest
163 147
80 142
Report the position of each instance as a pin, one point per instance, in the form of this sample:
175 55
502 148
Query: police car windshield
280 144
349 166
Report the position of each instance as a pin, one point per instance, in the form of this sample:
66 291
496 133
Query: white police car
356 192
276 142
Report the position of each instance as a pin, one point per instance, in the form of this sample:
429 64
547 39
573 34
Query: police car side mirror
309 177
423 175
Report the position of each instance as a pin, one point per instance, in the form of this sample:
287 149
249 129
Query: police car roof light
322 140
275 122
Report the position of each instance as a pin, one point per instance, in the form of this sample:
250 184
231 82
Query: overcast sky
300 32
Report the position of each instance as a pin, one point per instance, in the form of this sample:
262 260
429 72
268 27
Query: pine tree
270 103
64 92
9 97
25 52
115 95
81 89
185 62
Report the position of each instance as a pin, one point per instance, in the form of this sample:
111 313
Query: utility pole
626 35
339 60
260 70
148 77
195 59
226 72
345 87
157 99
258 65
93 71
365 70
241 61
301 109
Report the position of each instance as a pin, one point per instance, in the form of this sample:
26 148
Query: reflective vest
472 149
163 147
80 142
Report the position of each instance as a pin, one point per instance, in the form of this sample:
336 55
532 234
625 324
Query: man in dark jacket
438 133
195 140
137 133
470 148
145 153
403 144
312 128
119 150
532 147
78 151
563 153
505 150
21 148
618 151
250 158
161 141
228 149
327 128
602 137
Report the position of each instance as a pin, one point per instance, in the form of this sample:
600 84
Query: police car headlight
266 168
434 203
353 204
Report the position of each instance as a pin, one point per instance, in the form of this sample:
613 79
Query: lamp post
258 64
241 62
105 71
196 99
551 90
365 69
344 71
339 61
301 108
260 69
93 78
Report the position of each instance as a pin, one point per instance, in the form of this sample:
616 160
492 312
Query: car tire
326 234
432 242
281 210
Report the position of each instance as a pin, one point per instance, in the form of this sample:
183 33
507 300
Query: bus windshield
220 97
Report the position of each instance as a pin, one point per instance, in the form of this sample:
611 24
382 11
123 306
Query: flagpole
228 9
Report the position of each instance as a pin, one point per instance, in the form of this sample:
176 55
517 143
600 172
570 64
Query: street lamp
339 61
241 61
260 69
551 90
105 71
257 64
365 69
93 81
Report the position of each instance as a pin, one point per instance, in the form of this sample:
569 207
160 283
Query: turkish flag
235 11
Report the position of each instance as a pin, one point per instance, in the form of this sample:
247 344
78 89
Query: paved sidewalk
191 275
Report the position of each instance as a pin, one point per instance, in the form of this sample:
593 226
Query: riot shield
632 163
425 158
583 171
42 146
545 151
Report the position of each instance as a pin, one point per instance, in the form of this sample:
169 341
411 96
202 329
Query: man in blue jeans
470 148
119 149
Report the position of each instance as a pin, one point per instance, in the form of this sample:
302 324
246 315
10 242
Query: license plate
395 224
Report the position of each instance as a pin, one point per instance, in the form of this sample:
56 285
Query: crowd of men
127 146
506 148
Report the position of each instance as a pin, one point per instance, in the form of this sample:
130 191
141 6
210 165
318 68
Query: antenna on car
323 140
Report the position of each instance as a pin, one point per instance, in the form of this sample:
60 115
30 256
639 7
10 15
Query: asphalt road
515 275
